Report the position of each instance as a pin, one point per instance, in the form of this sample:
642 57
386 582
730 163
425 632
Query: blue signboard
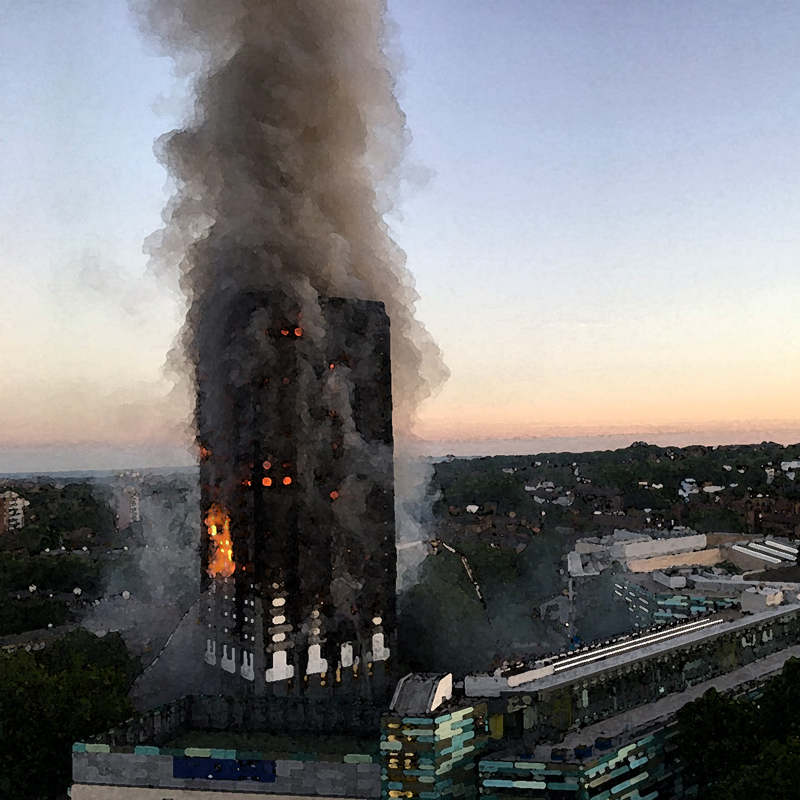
223 769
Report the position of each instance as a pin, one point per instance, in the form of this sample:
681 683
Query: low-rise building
215 747
126 506
657 598
430 741
760 598
641 552
629 756
644 767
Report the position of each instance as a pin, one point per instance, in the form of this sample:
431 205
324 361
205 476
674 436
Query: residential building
12 511
298 559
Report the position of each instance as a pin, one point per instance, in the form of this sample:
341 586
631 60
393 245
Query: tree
717 735
738 748
438 615
18 616
774 776
780 703
48 700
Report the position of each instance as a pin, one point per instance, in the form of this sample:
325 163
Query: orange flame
219 531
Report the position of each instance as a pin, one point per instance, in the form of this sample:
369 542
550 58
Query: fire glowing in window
266 481
219 532
286 481
298 331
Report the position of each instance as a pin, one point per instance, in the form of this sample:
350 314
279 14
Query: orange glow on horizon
474 424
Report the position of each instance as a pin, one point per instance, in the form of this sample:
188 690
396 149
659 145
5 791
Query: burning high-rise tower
298 551
283 175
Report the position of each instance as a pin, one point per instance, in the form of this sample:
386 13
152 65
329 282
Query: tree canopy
745 748
49 699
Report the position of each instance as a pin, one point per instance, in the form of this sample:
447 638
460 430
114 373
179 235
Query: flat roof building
199 747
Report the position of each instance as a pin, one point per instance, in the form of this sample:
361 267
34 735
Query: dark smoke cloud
288 165
283 175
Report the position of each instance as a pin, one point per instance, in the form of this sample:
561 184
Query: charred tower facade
298 548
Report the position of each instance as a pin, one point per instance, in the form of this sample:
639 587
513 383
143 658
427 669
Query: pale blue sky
609 238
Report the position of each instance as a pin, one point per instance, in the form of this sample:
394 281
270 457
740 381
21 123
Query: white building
127 507
12 511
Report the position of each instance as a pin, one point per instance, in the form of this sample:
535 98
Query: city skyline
597 210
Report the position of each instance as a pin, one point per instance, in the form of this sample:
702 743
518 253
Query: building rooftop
787 574
637 722
566 668
264 745
421 693
267 725
646 581
633 724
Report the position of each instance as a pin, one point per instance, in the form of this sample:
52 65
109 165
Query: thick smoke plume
287 167
147 591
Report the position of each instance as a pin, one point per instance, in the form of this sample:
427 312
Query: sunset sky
602 216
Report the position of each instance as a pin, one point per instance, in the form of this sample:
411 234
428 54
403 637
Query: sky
600 211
